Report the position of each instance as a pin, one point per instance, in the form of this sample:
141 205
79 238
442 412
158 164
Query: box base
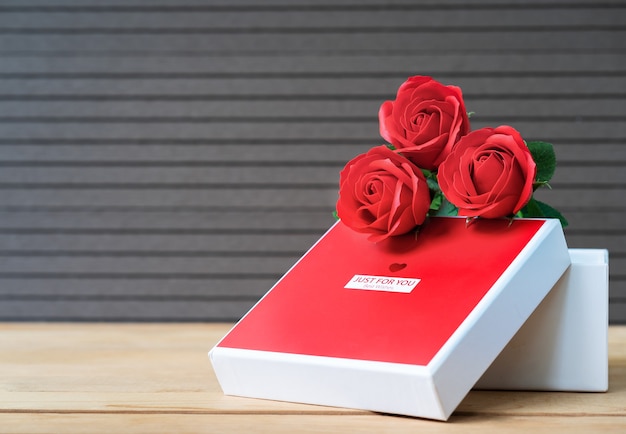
312 340
563 345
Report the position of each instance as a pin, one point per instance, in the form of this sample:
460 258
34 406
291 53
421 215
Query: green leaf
336 215
428 174
390 146
433 185
537 185
545 159
431 180
535 208
550 212
531 209
435 204
446 209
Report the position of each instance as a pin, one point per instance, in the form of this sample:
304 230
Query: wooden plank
261 196
98 288
170 307
285 129
47 391
257 5
114 248
196 247
594 219
589 153
202 129
256 197
312 65
40 22
612 39
211 265
135 221
328 129
222 153
581 109
27 289
178 309
604 175
213 177
216 152
117 258
614 242
229 88
251 197
175 177
617 298
120 287
122 261
582 196
195 423
33 269
34 288
38 362
187 242
617 311
204 178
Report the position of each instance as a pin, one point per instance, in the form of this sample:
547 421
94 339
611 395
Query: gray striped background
169 160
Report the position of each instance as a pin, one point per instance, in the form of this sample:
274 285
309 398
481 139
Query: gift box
405 326
563 345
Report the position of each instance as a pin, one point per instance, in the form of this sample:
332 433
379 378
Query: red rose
383 194
425 120
489 173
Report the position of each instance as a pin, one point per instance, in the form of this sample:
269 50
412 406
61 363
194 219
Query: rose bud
383 194
426 119
489 173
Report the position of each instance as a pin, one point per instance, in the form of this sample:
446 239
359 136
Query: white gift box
341 328
563 345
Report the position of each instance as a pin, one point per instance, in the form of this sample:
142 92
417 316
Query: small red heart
396 267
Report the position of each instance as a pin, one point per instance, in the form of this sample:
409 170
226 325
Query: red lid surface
309 311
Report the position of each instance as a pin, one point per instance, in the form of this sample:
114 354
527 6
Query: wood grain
136 378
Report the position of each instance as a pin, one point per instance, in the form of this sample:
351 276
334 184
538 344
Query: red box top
309 311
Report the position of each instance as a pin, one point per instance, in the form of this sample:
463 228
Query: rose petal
489 173
384 116
427 117
382 194
488 168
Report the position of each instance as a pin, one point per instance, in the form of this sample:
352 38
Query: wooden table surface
149 378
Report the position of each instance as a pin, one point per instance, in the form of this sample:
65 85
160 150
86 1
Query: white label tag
382 283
